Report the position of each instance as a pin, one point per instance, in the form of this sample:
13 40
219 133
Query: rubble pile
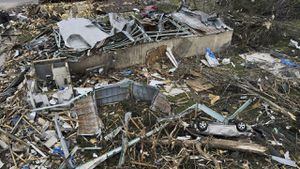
93 84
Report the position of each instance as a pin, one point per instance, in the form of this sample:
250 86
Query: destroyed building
174 31
144 84
126 42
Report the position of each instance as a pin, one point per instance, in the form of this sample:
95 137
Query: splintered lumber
207 156
124 139
271 103
235 145
95 162
222 144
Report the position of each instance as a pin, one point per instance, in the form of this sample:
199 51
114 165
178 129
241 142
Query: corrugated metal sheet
195 22
142 92
128 89
112 93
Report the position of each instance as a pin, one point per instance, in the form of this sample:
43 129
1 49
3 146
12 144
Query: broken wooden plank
223 144
124 139
235 145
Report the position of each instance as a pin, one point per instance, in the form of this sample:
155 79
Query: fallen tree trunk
222 144
235 145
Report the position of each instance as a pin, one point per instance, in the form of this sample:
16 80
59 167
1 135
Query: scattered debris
277 66
213 99
145 85
211 59
80 33
199 84
1 164
294 44
171 57
226 61
95 162
62 141
285 161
